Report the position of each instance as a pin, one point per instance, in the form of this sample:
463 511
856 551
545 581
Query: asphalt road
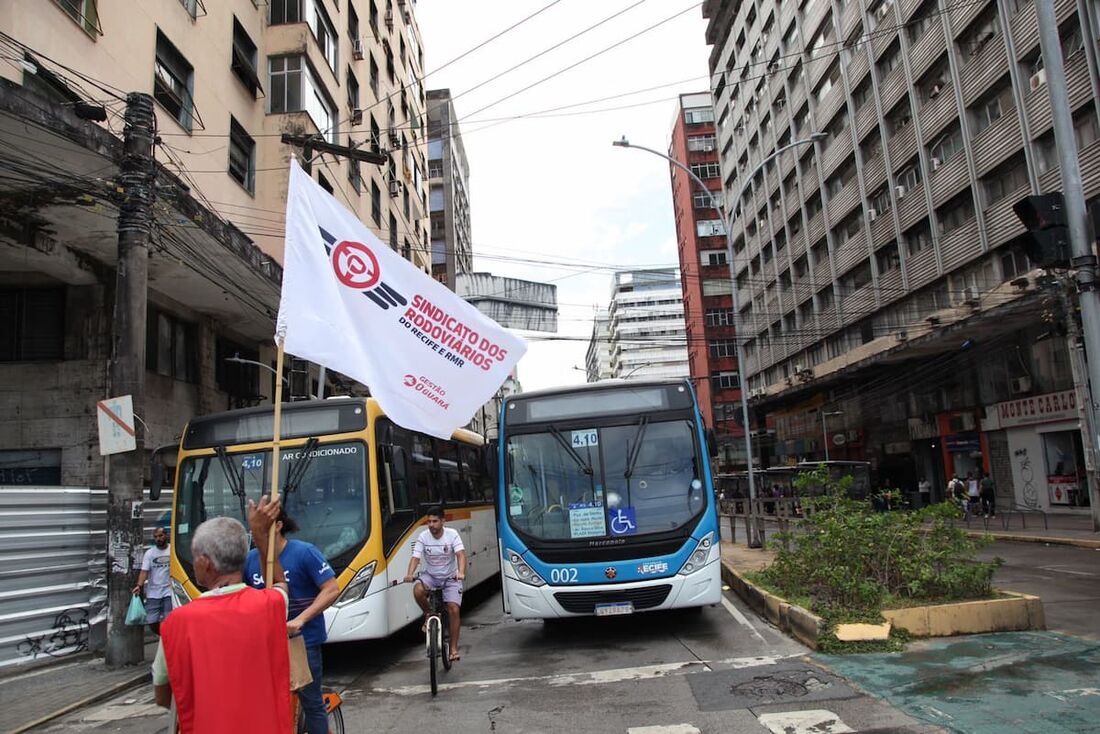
1066 577
719 669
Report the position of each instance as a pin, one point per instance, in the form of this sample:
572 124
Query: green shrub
852 560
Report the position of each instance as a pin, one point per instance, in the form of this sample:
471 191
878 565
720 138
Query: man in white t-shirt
444 559
154 577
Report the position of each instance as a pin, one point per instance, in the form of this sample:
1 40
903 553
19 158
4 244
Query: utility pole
127 375
1083 261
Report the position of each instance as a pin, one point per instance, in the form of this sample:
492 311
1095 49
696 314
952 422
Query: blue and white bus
605 501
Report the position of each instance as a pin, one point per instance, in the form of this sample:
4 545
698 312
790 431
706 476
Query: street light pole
728 221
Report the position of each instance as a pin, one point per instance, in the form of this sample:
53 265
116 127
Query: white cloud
554 187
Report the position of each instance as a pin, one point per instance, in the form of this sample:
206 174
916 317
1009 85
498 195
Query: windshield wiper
572 452
636 449
236 481
299 466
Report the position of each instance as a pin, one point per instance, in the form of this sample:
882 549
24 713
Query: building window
32 324
724 380
294 89
376 203
701 143
1014 263
324 183
1005 179
945 146
918 237
239 379
1084 125
922 20
719 317
374 77
353 91
712 257
899 117
858 277
908 178
286 11
30 467
992 106
242 157
979 33
243 62
84 12
955 212
355 177
353 24
889 60
702 200
719 348
325 34
393 232
698 115
171 346
887 258
709 228
880 201
173 78
706 170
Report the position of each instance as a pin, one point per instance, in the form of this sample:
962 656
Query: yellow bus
358 486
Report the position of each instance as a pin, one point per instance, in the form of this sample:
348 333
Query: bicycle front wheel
433 650
336 721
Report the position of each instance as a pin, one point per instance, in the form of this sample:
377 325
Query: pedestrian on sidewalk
988 492
154 577
924 488
313 589
956 491
973 495
224 656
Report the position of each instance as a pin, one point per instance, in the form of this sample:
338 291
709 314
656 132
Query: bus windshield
635 478
329 501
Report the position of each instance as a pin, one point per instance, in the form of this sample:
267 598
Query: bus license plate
608 610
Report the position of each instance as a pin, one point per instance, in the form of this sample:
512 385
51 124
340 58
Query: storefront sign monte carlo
1055 406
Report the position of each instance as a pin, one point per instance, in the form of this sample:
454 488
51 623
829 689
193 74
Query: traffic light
1047 240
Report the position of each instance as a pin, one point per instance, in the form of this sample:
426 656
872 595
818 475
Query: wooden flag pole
276 430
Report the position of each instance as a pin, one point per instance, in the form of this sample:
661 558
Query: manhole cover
725 690
769 686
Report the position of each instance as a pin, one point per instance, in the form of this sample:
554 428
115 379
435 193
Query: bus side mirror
164 457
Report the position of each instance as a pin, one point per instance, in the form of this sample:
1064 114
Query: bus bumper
702 588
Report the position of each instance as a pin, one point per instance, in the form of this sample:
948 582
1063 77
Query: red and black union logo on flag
356 267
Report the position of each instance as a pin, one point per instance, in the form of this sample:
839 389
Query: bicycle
438 635
332 701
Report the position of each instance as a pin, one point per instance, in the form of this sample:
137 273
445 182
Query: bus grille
584 602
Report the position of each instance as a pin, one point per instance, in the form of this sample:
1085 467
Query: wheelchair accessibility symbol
622 521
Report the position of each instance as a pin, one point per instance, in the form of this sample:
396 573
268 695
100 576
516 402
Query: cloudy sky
551 199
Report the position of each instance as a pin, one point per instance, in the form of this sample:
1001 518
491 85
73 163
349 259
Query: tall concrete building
888 307
646 325
708 301
228 79
597 359
448 194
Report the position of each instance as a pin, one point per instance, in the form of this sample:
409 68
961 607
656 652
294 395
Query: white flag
352 304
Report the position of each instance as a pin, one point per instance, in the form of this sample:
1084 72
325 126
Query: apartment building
646 325
597 359
887 306
708 301
448 191
228 79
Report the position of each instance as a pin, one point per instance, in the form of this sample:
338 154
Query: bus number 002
563 575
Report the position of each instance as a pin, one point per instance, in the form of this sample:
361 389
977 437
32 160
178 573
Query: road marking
818 721
664 729
599 677
741 618
1060 569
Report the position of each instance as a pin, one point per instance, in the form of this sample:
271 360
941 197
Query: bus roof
601 385
250 426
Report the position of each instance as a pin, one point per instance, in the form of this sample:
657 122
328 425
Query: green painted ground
1038 682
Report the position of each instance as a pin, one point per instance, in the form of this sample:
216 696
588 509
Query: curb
132 682
1078 542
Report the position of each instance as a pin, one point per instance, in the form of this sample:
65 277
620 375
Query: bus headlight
698 557
358 587
179 594
524 573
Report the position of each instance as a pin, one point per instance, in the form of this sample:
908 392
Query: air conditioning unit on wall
1019 385
1038 79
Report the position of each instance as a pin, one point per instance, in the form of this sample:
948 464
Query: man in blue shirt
313 589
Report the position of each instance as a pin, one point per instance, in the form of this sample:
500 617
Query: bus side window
423 466
473 465
449 474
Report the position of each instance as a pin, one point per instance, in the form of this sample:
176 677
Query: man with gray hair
231 636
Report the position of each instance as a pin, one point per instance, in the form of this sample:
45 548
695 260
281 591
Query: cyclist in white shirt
444 559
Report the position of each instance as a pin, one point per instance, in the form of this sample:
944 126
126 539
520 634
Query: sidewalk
33 695
1029 528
